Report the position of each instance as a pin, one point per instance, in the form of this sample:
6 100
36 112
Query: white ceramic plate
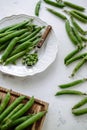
47 53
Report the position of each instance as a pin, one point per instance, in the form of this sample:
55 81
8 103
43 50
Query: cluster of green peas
30 59
13 116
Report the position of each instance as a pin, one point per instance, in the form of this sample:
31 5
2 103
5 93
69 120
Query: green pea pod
80 56
11 107
9 49
16 109
3 46
74 83
74 6
70 33
76 33
31 35
17 56
78 17
71 92
79 112
57 14
37 8
30 121
81 103
79 65
12 35
52 3
80 14
71 54
84 39
19 25
4 102
76 25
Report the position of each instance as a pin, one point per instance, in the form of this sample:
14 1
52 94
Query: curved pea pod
30 35
21 47
78 27
74 6
80 14
71 92
71 54
17 56
80 56
30 121
3 46
84 39
79 65
37 8
81 103
79 112
78 17
60 15
4 102
52 3
15 110
11 107
70 33
19 25
9 49
74 83
8 28
12 35
80 42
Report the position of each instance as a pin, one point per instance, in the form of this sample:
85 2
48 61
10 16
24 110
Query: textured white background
44 85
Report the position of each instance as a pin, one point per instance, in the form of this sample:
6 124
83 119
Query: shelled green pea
30 59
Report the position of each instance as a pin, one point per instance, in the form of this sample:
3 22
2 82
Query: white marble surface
44 85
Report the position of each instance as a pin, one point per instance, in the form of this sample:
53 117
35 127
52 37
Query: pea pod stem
77 26
77 7
79 112
70 33
74 83
80 56
37 8
30 121
60 15
80 103
79 65
52 3
71 92
4 102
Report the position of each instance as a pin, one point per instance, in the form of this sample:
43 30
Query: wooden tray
37 107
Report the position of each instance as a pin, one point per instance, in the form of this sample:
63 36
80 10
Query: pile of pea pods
18 39
78 37
14 116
